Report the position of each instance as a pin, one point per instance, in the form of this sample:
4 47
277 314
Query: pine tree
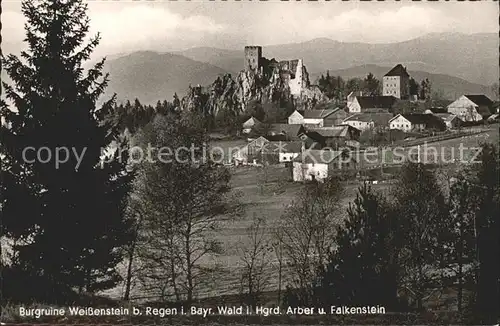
66 219
371 85
488 226
362 268
423 219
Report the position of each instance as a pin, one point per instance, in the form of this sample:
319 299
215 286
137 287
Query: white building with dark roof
396 82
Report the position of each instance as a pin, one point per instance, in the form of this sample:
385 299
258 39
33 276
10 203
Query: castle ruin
253 58
291 71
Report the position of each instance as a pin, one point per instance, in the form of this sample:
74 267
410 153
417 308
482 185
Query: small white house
249 125
404 122
364 121
319 164
286 151
296 118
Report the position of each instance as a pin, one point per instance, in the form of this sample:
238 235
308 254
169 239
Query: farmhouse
296 118
396 83
290 132
313 140
450 120
368 120
471 108
285 151
319 164
352 96
250 124
416 122
250 152
334 137
372 103
324 117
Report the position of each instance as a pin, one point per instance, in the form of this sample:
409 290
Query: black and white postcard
249 162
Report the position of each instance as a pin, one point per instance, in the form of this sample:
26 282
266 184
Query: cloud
362 24
129 28
143 26
163 26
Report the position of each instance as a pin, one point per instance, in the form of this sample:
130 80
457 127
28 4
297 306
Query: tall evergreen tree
362 269
423 219
371 85
488 226
66 219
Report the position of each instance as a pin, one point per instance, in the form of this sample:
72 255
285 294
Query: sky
127 26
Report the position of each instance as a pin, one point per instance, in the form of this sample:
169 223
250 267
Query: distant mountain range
455 64
470 57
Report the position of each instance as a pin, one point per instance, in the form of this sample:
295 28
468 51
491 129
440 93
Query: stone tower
253 57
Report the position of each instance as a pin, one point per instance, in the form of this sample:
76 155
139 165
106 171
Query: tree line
432 233
337 89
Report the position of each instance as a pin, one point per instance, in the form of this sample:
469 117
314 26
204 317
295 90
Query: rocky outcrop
234 94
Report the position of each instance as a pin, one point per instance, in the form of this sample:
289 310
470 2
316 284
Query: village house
337 136
450 120
285 151
320 164
250 153
296 118
351 97
396 83
369 120
290 132
416 122
313 140
324 117
471 108
372 103
249 125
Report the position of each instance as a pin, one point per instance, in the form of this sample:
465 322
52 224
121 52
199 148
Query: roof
301 112
480 100
398 70
319 114
314 135
418 118
317 156
286 129
483 110
447 117
255 121
377 118
383 102
284 147
336 131
438 109
493 117
279 137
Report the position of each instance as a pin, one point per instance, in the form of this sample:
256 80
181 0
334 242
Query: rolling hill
471 57
152 76
455 64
